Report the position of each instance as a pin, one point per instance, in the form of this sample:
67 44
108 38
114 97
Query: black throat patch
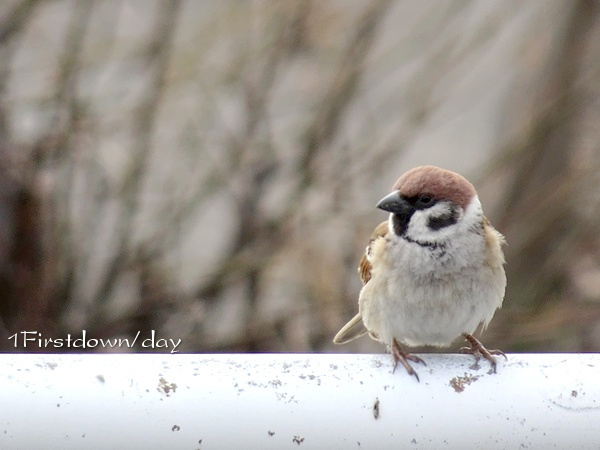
400 222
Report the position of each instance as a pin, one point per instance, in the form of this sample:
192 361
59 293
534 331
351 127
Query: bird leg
478 350
400 356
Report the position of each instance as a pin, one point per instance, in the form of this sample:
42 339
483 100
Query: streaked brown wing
365 267
355 327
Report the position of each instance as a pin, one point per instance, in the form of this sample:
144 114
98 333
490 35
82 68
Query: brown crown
440 183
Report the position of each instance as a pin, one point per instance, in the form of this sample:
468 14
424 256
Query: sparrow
432 272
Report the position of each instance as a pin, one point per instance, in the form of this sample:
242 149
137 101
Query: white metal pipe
297 401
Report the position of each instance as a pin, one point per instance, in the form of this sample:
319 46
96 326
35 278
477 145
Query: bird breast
429 295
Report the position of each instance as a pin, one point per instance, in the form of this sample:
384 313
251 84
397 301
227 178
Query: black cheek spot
439 222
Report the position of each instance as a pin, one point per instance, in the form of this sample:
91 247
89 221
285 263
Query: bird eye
424 201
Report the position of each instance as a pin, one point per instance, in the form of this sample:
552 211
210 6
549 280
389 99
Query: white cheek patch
420 231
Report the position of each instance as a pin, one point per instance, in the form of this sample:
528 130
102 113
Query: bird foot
478 350
400 356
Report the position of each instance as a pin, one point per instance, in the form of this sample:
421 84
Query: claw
400 356
478 350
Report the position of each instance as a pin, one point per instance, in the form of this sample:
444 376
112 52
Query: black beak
394 203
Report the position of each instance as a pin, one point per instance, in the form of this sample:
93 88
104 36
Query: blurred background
209 169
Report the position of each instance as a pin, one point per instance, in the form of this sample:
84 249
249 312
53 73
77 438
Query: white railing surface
298 401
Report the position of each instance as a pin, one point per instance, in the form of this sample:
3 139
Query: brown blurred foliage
208 170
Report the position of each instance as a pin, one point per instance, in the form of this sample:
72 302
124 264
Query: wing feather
355 327
365 267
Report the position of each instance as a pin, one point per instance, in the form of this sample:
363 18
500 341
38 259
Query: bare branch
158 60
341 90
12 23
